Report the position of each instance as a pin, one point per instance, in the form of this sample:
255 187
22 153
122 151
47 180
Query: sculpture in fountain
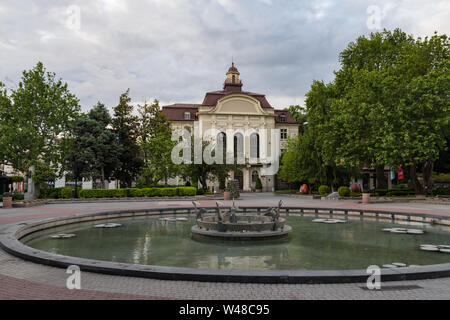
235 224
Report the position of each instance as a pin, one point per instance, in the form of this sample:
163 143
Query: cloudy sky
176 50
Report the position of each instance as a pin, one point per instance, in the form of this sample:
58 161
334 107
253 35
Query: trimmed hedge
442 178
66 193
136 193
16 196
324 190
401 190
54 193
381 192
290 191
400 193
344 191
441 192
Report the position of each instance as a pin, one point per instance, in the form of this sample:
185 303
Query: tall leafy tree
310 158
202 172
156 144
5 104
95 149
126 126
392 102
299 114
36 120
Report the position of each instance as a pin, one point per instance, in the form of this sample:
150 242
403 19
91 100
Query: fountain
236 225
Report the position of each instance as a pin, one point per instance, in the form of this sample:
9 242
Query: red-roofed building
245 120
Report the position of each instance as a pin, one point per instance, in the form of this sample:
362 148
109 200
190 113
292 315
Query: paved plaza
21 279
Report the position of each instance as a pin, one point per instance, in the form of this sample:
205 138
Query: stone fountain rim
10 236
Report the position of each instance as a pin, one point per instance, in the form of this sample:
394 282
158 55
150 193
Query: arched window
222 142
254 145
238 145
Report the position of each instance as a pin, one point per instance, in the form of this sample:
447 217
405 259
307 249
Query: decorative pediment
238 104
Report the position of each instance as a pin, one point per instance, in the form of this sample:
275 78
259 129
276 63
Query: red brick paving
18 289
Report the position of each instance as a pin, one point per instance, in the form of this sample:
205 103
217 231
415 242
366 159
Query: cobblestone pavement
21 279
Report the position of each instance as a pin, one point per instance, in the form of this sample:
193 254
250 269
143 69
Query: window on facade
222 141
238 145
254 145
283 134
187 116
282 118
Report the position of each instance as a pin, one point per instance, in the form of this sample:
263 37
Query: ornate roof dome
233 68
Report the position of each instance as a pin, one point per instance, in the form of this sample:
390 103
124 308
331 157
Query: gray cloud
177 50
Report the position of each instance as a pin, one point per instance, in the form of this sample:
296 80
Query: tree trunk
103 178
203 182
427 175
382 182
415 182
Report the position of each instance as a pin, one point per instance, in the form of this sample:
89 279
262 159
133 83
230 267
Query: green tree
126 125
95 150
156 144
299 114
202 172
392 102
5 104
35 118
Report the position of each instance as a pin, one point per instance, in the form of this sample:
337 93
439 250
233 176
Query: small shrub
200 192
233 187
18 196
258 184
222 184
401 186
344 191
324 190
355 194
66 192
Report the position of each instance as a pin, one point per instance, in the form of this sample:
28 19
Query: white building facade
250 128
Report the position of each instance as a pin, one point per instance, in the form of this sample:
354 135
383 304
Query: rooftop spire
232 82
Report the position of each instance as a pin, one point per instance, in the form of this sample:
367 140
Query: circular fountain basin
146 246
